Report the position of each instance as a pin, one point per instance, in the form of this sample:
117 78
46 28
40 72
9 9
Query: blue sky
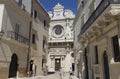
68 4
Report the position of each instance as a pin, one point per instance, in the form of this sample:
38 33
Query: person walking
61 73
70 72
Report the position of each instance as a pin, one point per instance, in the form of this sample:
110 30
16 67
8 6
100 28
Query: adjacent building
14 38
39 38
23 38
60 42
97 35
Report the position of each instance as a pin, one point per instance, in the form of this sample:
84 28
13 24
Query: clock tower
61 37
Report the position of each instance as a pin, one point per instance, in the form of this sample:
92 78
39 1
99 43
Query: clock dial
58 30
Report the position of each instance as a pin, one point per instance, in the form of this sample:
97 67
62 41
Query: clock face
58 30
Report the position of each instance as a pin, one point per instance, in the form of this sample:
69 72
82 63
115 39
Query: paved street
57 76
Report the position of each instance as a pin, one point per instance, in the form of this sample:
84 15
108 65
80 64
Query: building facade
98 38
60 42
14 40
39 38
77 46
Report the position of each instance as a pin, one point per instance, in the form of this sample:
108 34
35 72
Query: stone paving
57 76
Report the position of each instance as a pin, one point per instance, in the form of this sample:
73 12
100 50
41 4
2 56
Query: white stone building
60 42
97 34
39 38
15 25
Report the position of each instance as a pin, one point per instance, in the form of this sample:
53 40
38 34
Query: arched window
13 66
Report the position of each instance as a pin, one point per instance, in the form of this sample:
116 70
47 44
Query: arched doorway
13 66
106 66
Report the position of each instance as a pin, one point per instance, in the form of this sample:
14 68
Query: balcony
20 4
15 36
99 10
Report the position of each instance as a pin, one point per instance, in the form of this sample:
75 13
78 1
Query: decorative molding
60 13
115 11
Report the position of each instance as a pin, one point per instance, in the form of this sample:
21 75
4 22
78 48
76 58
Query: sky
68 4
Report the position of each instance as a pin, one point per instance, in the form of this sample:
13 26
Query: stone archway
13 66
106 66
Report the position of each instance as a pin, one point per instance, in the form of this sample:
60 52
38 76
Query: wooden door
57 64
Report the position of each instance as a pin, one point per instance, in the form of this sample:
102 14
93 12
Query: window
72 45
20 2
73 66
33 38
96 54
44 42
83 2
17 28
116 48
86 63
42 62
58 30
35 14
44 23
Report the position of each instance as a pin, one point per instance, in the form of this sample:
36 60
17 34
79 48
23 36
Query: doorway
13 66
57 64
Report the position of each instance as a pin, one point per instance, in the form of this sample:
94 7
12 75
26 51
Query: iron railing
101 7
22 6
17 37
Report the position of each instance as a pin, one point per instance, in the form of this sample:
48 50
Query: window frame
33 38
116 55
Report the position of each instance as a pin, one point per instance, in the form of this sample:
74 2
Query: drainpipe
29 48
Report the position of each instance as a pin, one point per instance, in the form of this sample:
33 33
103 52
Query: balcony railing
17 37
22 6
101 7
